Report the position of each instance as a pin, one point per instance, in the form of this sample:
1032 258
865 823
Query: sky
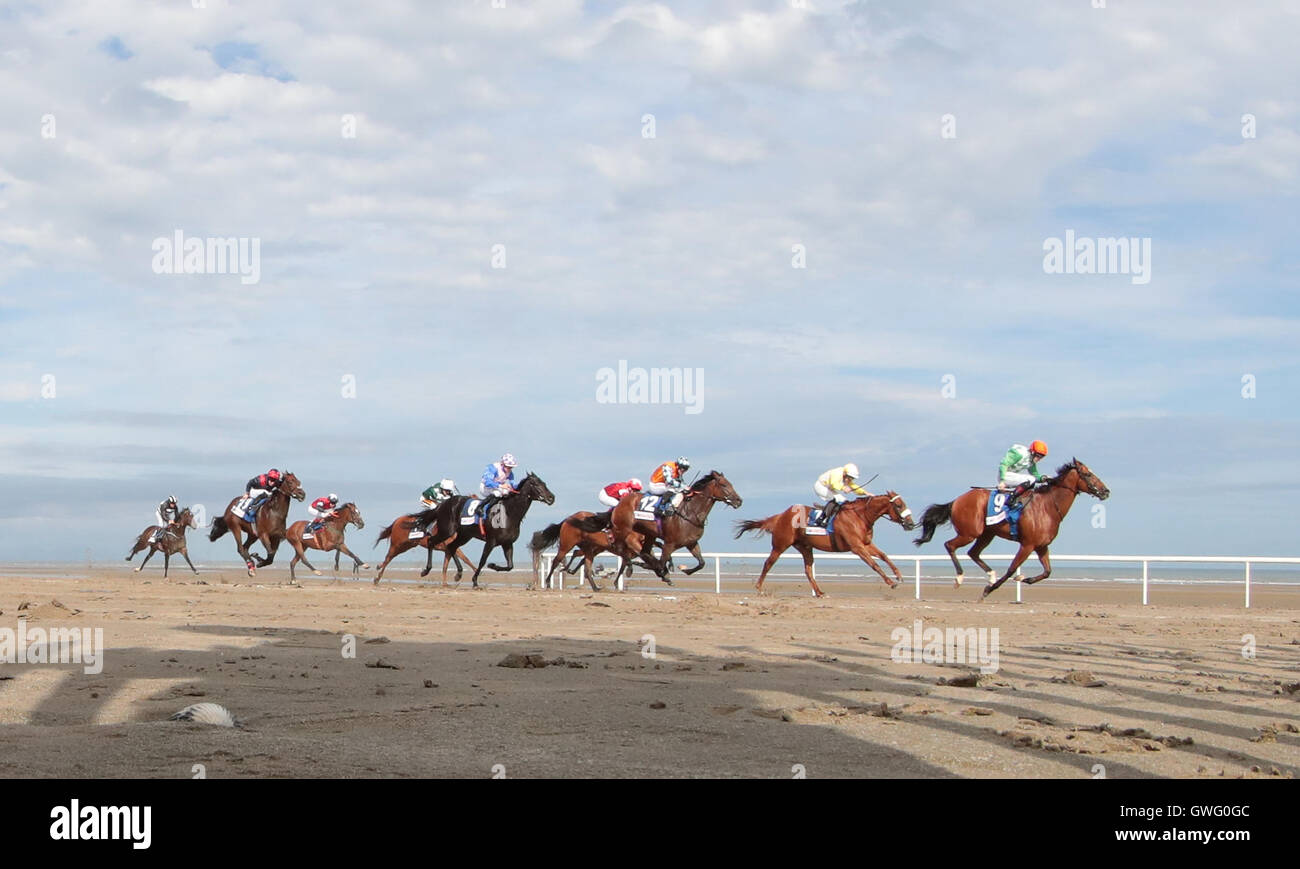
836 213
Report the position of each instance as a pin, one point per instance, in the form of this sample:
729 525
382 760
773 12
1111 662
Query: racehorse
682 530
398 535
329 537
501 527
1041 519
850 532
268 525
168 543
569 535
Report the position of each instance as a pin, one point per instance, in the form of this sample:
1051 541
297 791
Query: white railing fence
1145 560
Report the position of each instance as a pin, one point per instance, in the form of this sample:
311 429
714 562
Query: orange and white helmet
1038 447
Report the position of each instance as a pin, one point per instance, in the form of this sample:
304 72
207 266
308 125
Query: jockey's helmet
1038 447
508 460
851 470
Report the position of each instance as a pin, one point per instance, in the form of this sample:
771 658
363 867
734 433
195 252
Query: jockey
498 481
322 509
835 486
1019 469
260 487
667 479
167 513
438 492
614 492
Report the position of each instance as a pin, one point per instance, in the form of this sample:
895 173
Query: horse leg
880 553
428 562
300 554
508 549
357 563
487 550
694 549
152 550
185 553
952 546
862 551
167 561
1041 552
985 539
139 544
807 553
1021 554
771 560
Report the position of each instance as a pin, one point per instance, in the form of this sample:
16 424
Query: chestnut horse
682 530
505 516
851 532
589 544
328 538
268 525
1043 513
168 543
398 535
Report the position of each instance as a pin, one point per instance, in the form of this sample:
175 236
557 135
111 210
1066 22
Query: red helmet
273 474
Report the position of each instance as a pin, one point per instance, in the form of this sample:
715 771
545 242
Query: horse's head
716 485
1089 482
349 513
898 511
290 486
186 518
534 488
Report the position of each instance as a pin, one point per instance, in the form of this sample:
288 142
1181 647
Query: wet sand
1088 680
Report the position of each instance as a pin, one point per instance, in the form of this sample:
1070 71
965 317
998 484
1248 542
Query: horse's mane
1063 470
704 481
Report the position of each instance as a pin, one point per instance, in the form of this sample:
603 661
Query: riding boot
829 511
666 505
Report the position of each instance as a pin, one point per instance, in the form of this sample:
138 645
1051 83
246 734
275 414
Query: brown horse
328 539
398 535
589 544
682 530
268 525
1041 519
852 532
168 543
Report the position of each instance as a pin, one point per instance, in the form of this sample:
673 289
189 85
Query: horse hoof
363 566
318 573
956 583
137 570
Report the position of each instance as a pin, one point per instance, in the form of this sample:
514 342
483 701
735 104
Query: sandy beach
653 681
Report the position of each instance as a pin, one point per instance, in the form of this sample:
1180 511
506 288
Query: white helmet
851 470
636 484
508 460
683 461
447 485
334 499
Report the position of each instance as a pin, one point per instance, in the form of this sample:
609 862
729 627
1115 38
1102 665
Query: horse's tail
759 526
546 537
599 522
218 528
385 534
934 516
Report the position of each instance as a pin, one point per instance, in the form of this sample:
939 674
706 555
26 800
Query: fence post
546 571
918 578
1019 585
1144 582
1247 585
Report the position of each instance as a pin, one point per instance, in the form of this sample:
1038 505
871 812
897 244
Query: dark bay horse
327 539
268 525
398 535
168 543
569 536
501 528
1043 513
852 531
682 530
